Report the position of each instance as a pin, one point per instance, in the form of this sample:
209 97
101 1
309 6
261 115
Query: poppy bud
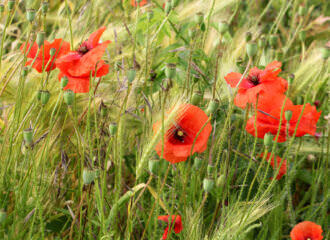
221 181
25 71
288 115
52 52
268 140
113 129
291 78
150 15
44 8
196 98
325 53
300 100
212 107
251 49
302 36
89 176
30 15
223 27
39 95
2 8
210 169
317 103
11 5
68 96
199 18
131 75
168 7
302 10
44 98
198 162
174 3
40 38
170 70
3 216
28 136
64 81
273 41
153 166
248 36
208 185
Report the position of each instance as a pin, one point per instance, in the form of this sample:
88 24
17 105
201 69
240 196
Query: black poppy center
254 79
83 49
179 135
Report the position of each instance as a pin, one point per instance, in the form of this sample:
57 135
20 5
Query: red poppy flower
43 58
279 160
180 136
78 65
306 231
176 220
257 83
268 120
142 3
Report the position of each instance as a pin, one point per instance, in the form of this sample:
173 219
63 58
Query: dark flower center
179 135
83 49
254 79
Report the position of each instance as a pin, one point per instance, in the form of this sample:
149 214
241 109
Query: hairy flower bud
113 129
28 136
223 27
64 81
251 49
68 97
288 115
170 70
196 98
208 185
268 140
40 38
212 107
44 98
30 15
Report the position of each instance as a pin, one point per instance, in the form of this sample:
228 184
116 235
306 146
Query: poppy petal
76 84
233 78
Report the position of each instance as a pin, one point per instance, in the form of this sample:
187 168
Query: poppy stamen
254 79
83 49
179 135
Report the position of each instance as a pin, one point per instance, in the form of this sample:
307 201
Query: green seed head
30 15
210 170
2 8
153 166
251 49
40 38
213 106
44 98
11 5
325 53
131 75
89 176
113 129
69 97
198 162
199 18
196 98
221 181
28 136
248 36
268 140
170 70
288 115
44 8
223 27
208 185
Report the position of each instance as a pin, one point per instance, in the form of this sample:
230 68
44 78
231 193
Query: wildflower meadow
164 119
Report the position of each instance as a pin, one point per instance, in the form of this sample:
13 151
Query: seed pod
44 98
150 15
40 38
168 7
198 162
262 42
191 33
89 176
69 97
170 70
25 71
213 106
302 36
325 53
199 18
268 140
291 78
30 15
3 216
208 185
64 81
196 98
221 180
52 52
174 3
273 41
210 169
11 5
28 136
248 36
223 27
44 8
113 129
288 115
153 166
131 75
251 49
2 8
